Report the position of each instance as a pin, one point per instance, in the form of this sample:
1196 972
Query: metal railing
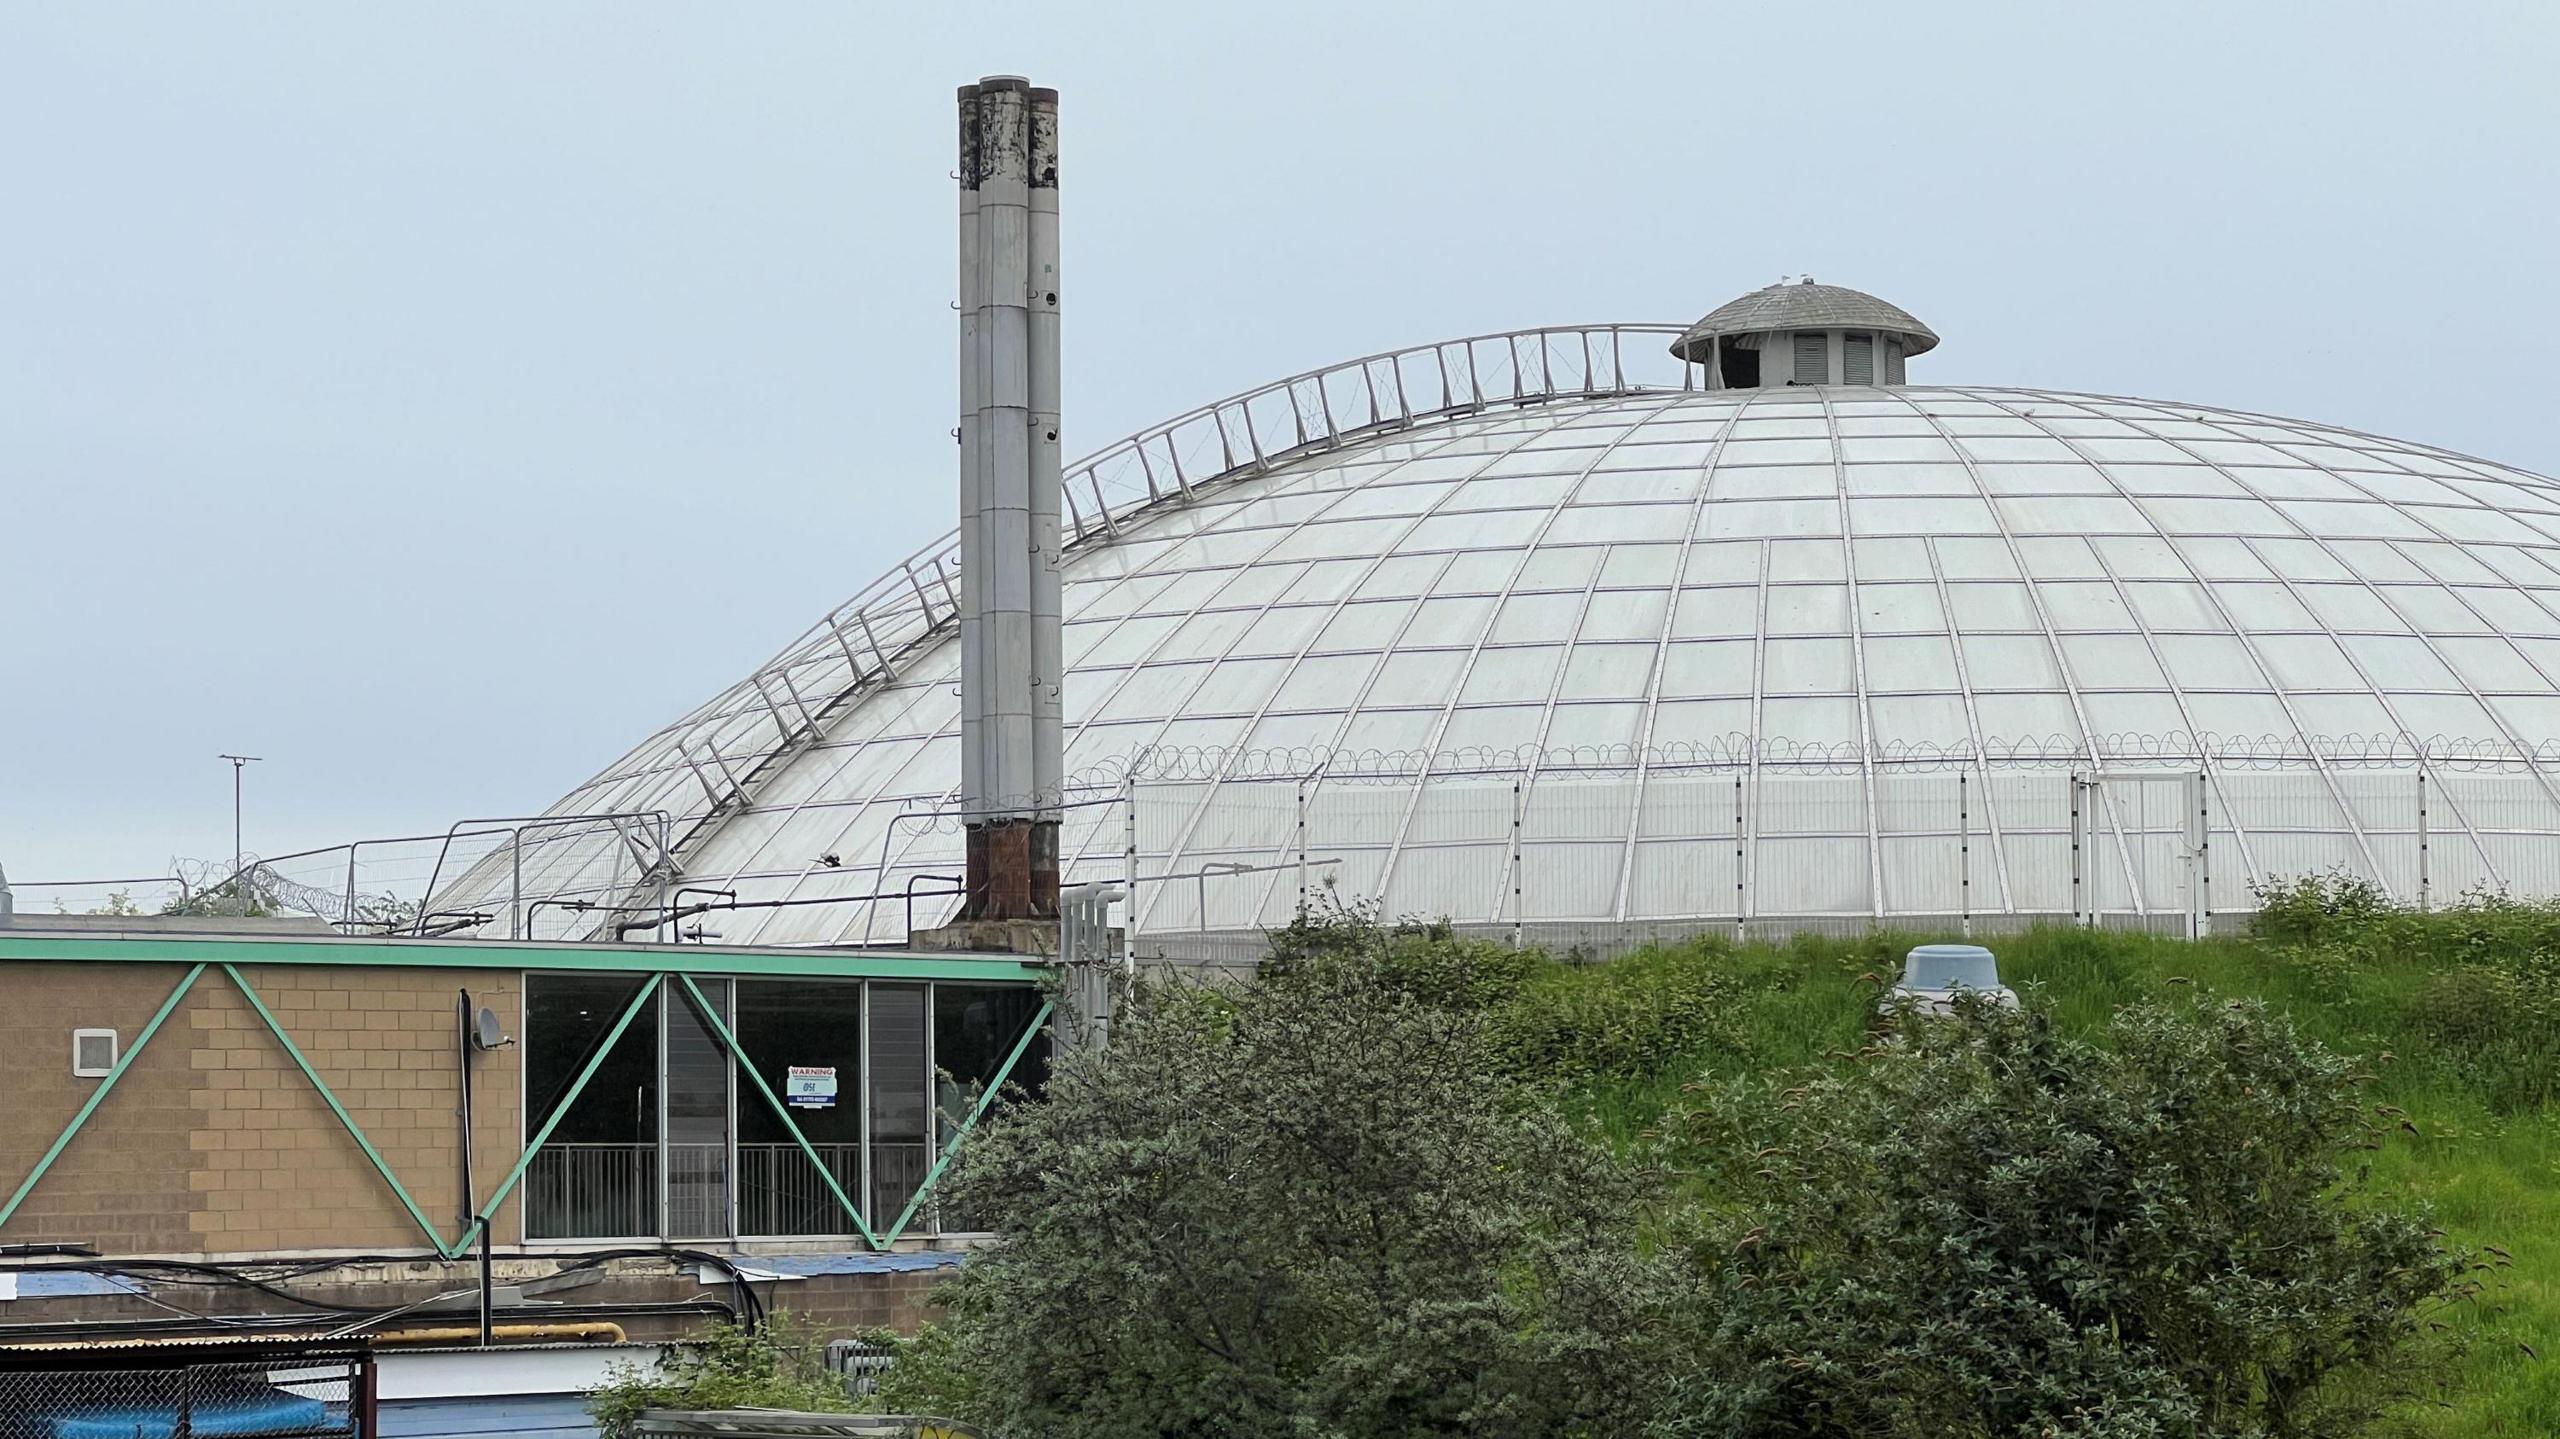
591 1191
727 744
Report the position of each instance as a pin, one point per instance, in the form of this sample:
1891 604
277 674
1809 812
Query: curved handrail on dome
742 733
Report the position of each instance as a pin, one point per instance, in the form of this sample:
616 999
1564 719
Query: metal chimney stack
1012 652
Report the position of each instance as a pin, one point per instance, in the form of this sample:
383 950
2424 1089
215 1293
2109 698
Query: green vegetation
781 1364
2290 1098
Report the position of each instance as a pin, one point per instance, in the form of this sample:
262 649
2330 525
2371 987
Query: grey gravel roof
1804 305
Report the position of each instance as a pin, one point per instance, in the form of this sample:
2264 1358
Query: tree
1982 1227
1307 1206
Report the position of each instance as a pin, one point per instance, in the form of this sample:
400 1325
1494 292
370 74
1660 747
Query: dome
1595 652
1804 305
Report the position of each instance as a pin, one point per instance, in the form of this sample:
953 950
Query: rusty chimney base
1011 906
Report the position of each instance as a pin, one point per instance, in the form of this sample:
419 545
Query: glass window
1902 609
1910 662
2009 662
1607 671
1537 617
597 1177
1413 677
1513 674
1810 721
1807 667
2210 662
1623 615
1808 609
1992 607
901 1140
2168 605
975 1029
2310 662
2112 662
805 1039
697 1119
1707 614
1937 719
1713 667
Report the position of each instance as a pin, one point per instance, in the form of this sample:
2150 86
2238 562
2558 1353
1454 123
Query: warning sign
810 1086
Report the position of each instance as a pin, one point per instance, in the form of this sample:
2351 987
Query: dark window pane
697 1118
811 1030
900 1147
598 1175
975 1026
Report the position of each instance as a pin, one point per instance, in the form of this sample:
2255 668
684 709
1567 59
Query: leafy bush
2313 907
1314 1207
2502 1017
1983 1227
781 1364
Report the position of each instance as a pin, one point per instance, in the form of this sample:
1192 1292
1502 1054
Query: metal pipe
1004 531
973 570
1047 487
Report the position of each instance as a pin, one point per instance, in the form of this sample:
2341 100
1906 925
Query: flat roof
32 941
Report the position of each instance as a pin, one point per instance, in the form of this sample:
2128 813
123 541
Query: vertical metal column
1048 657
1964 853
1302 849
2076 841
1741 860
1515 863
2204 855
1004 445
973 560
1129 868
2422 838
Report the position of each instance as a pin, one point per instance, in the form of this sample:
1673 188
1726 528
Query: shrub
780 1364
1981 1227
1315 1207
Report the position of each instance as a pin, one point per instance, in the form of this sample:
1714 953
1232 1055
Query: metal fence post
1302 849
1129 865
1741 860
2203 926
2075 848
1964 853
2422 839
1516 886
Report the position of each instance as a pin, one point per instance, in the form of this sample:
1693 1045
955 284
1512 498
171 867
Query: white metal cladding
1630 579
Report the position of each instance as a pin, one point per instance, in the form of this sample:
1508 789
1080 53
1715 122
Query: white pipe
973 561
1048 649
1004 446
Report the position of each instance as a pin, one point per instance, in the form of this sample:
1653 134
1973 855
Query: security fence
1603 857
258 1388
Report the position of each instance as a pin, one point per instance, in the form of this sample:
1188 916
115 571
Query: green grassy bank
2456 1014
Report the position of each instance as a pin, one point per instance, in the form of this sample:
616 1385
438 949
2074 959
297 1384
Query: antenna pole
239 856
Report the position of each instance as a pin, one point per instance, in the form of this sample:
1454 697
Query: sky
435 399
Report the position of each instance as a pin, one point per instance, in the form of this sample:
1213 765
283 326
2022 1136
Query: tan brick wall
215 1142
123 1185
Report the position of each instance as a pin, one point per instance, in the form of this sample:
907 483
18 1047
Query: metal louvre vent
1893 360
1858 358
1813 357
93 1053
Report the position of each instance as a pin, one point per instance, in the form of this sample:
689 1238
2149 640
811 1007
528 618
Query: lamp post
239 881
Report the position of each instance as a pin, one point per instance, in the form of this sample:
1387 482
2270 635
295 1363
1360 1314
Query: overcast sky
436 398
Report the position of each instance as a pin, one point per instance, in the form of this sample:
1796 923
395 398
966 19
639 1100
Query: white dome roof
1666 577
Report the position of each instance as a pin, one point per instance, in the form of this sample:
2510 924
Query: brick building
258 1124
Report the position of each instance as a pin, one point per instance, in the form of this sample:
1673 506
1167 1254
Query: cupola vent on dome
1801 333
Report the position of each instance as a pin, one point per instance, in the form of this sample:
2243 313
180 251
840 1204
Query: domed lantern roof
1804 305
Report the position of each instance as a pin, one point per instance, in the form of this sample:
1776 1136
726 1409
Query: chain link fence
147 1391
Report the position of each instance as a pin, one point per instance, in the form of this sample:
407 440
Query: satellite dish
486 1030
